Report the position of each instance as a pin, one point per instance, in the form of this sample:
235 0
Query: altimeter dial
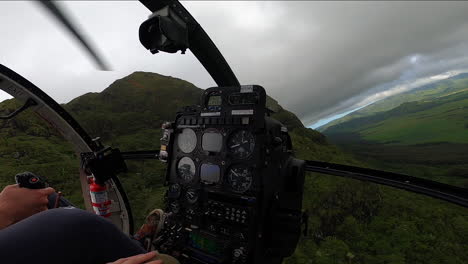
240 178
186 169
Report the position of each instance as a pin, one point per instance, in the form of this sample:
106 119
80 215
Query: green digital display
214 100
206 244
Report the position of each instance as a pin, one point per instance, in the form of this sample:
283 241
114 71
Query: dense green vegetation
423 133
28 144
350 221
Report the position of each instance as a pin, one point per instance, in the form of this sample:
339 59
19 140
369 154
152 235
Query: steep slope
29 144
137 104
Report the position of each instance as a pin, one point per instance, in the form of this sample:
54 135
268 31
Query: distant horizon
325 121
389 93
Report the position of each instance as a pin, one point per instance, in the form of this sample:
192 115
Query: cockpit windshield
319 102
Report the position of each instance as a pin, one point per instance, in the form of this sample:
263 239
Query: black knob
238 253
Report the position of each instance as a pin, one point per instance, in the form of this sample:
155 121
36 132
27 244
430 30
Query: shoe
154 223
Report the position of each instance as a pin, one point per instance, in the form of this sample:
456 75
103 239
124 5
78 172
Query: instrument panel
214 176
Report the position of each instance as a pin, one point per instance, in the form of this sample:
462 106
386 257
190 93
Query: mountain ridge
149 91
455 83
426 138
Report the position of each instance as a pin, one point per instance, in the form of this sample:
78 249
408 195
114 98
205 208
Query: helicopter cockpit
231 175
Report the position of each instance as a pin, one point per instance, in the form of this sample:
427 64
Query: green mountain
418 122
427 137
350 221
136 105
432 91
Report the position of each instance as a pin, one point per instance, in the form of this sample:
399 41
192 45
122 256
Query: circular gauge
241 144
186 169
192 196
187 140
174 191
240 178
174 207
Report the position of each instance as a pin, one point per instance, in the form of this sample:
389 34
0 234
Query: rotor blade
449 193
59 14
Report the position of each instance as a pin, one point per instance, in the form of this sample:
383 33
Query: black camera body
235 189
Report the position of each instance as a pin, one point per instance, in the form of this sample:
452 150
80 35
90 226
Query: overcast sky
318 59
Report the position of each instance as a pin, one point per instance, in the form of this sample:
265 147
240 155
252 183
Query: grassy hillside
350 221
29 144
456 84
426 138
441 120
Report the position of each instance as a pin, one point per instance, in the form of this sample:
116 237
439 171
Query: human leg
65 236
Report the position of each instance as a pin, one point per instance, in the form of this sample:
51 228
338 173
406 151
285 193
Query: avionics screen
214 100
210 173
206 244
243 98
212 141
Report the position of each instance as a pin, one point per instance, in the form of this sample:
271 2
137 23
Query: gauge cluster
223 159
216 168
217 147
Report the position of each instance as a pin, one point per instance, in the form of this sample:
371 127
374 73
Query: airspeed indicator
241 144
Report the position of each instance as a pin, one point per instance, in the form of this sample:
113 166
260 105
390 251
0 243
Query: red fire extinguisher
99 199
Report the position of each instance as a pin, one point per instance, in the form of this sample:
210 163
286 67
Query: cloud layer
316 58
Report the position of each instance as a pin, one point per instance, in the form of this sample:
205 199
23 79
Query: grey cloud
316 58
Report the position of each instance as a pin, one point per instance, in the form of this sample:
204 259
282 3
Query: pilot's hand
18 203
139 259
